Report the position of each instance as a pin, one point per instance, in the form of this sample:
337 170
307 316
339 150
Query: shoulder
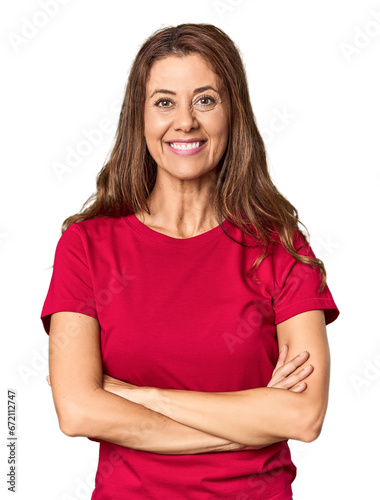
279 262
91 224
278 251
98 227
97 238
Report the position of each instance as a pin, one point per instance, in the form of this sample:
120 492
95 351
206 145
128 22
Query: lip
187 152
195 139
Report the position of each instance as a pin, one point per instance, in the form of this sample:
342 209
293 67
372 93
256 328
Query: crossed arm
94 405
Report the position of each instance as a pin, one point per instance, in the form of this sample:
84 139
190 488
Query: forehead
188 71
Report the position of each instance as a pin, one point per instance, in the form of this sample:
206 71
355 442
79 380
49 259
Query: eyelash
163 99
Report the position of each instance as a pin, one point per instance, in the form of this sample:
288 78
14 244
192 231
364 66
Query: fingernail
283 347
303 353
306 368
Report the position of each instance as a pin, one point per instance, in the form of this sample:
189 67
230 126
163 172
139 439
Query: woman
182 296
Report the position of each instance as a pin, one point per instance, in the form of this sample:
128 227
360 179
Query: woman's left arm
260 416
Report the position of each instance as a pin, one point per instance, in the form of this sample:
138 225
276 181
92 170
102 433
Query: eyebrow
200 89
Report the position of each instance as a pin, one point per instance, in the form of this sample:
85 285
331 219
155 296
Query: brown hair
243 190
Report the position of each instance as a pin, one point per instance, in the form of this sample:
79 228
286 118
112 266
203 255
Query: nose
184 118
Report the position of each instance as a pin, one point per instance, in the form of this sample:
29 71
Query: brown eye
210 99
157 103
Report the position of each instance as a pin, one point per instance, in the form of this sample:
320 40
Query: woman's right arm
85 409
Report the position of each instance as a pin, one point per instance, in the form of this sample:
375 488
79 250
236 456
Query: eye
205 101
211 100
162 100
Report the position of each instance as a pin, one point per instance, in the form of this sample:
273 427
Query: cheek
217 125
219 131
148 129
154 126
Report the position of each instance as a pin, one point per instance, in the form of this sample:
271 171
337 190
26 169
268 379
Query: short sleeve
71 286
298 289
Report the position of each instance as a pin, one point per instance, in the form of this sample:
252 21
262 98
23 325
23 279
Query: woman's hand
283 376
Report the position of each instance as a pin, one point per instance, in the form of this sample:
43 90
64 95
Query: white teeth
184 145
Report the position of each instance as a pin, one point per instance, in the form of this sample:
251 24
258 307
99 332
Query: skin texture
85 408
258 421
179 200
91 404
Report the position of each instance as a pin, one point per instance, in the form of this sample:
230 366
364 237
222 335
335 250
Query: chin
183 172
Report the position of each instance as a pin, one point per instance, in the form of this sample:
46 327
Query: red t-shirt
184 314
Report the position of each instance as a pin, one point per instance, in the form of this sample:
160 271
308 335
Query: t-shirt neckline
178 242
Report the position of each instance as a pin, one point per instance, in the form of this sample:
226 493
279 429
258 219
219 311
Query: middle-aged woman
182 296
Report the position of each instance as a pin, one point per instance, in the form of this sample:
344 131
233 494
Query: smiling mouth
184 146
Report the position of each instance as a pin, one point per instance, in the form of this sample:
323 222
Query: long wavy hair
243 191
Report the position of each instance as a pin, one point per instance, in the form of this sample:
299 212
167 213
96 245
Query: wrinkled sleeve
71 286
297 289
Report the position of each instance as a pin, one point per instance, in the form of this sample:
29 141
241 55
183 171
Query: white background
316 62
